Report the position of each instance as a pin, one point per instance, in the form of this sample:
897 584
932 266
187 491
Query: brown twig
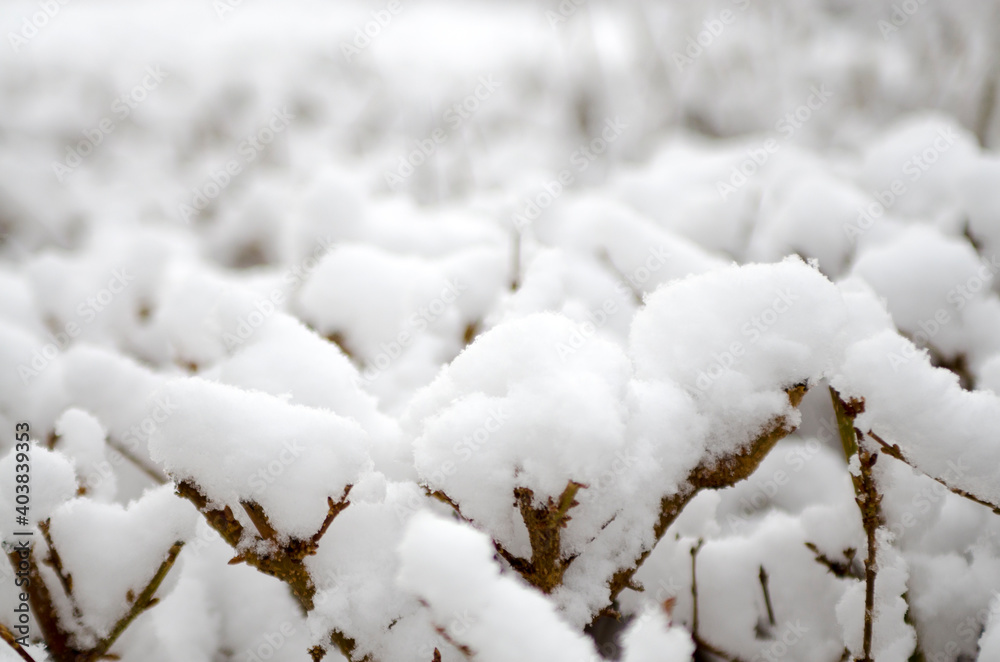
335 508
694 585
717 474
283 561
892 450
544 523
11 640
155 474
55 561
522 566
145 600
869 501
762 576
705 646
57 640
278 564
838 568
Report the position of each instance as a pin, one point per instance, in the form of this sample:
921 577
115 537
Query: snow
111 551
910 403
451 568
651 639
494 247
238 445
81 437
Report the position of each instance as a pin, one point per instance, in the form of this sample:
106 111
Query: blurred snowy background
251 134
671 71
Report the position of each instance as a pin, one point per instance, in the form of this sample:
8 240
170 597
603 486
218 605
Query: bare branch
54 560
145 600
724 472
155 474
893 450
11 640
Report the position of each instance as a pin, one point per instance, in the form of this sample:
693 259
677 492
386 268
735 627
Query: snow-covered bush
662 332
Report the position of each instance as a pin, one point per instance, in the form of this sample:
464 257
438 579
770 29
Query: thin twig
767 595
284 562
55 561
145 600
709 648
42 607
694 585
11 640
838 568
152 472
892 450
712 474
869 501
335 508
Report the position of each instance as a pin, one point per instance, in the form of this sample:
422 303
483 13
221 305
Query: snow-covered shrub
660 332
